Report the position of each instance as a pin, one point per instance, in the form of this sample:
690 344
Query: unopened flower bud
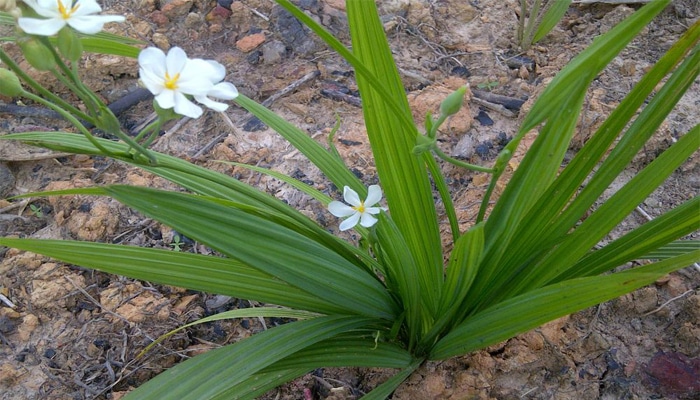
69 45
36 53
10 85
453 102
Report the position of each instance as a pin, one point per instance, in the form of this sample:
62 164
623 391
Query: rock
674 374
177 8
219 13
159 18
161 41
250 42
29 324
273 51
294 35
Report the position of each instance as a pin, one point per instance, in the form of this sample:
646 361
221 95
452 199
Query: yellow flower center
171 82
360 208
66 14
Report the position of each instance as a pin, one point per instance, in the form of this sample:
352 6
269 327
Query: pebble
250 42
161 41
273 51
159 18
177 8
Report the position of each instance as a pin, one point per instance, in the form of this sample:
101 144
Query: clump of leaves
537 18
392 302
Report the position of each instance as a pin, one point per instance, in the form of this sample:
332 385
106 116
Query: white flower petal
91 24
184 106
151 81
351 197
367 220
374 194
350 222
166 99
45 8
223 91
196 85
373 210
175 61
85 7
42 27
214 105
340 210
152 56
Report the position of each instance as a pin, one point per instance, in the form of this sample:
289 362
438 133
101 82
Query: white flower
358 210
61 12
173 77
220 90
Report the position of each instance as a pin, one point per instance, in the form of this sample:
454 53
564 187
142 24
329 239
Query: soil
74 333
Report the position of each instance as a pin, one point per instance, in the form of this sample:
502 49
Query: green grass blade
224 368
265 245
527 311
551 18
403 176
192 271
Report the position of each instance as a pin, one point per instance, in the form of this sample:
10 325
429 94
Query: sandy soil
74 333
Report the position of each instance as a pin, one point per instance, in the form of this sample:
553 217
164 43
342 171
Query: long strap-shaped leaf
192 271
342 351
545 223
644 241
529 310
403 175
199 180
222 369
559 105
612 212
264 245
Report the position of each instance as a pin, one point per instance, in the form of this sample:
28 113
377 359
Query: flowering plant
393 302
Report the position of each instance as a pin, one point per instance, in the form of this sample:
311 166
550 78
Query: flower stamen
65 13
360 208
171 82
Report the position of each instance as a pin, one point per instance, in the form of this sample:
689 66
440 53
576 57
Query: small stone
177 8
29 323
161 41
159 18
219 13
250 42
193 20
272 52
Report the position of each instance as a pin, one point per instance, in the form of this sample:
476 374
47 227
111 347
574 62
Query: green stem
462 164
42 90
70 118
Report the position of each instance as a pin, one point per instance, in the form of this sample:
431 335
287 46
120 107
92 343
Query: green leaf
331 166
193 271
224 368
385 390
672 249
403 176
199 180
551 17
262 244
559 105
556 214
530 310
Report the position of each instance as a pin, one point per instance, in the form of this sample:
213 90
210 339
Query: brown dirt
75 333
